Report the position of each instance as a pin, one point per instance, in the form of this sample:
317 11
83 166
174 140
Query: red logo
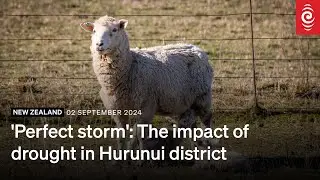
308 17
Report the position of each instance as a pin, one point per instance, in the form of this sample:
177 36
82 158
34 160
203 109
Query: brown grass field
45 62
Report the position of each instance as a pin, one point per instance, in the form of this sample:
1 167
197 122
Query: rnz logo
307 17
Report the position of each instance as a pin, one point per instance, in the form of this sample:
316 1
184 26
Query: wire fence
252 39
155 15
184 39
212 59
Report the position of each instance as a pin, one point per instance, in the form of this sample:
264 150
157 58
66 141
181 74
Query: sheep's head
106 33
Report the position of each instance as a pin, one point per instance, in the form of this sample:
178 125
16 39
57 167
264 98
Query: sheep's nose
99 44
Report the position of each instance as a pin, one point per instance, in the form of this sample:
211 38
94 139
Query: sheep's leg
121 142
188 120
203 143
203 110
133 142
207 122
137 140
145 118
119 120
121 123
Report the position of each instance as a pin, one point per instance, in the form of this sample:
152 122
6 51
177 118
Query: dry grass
273 92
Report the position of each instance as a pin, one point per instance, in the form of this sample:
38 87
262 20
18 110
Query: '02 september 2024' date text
100 112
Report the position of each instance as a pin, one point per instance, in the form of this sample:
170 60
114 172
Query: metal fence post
255 99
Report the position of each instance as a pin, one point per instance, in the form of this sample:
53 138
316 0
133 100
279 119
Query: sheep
169 80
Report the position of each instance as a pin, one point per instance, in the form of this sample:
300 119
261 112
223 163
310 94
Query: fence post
255 99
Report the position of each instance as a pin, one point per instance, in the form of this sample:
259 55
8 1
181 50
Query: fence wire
156 39
212 59
154 15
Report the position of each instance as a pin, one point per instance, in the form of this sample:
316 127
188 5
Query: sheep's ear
87 26
123 23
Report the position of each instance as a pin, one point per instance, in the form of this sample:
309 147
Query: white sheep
171 80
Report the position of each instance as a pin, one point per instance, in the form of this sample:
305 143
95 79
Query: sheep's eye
114 30
94 31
